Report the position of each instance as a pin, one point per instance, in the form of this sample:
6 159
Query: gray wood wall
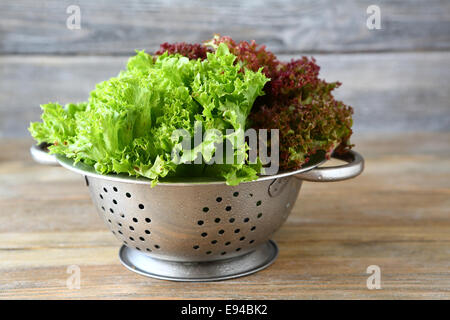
397 78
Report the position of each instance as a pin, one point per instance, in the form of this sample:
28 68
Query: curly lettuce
127 124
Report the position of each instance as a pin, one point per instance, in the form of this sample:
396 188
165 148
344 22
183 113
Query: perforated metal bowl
199 230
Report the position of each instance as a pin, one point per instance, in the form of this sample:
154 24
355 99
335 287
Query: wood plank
390 92
395 216
119 27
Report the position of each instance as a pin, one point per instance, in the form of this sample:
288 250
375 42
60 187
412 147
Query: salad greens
131 123
296 102
128 123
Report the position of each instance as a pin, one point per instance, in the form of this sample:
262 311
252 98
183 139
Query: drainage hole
227 243
258 203
253 228
217 220
131 228
205 209
111 210
228 208
141 238
104 189
135 220
115 189
196 247
223 253
156 246
204 234
208 252
214 242
141 206
219 199
147 231
246 220
221 231
128 195
236 194
259 215
114 201
101 197
238 249
200 222
237 230
131 238
251 241
231 220
242 238
148 220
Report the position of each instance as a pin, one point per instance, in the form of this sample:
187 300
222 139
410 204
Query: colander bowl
199 230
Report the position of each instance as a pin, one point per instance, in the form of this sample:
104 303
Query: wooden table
395 216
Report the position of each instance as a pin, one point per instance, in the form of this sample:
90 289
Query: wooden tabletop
395 216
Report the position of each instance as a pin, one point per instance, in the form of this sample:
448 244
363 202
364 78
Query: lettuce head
128 123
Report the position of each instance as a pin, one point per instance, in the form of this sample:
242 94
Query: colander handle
353 168
41 156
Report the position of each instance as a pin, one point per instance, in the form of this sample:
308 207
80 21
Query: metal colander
198 231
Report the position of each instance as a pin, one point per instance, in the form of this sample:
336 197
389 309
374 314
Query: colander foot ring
240 266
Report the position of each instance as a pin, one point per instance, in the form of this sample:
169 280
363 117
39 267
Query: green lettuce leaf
127 124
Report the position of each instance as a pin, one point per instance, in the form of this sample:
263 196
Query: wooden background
397 79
